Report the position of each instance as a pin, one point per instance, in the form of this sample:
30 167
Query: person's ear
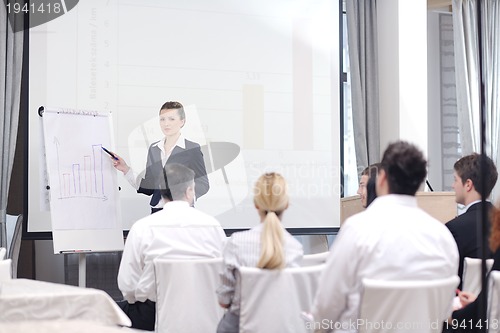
189 193
381 183
381 177
469 185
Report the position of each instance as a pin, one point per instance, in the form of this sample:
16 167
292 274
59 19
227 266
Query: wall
402 56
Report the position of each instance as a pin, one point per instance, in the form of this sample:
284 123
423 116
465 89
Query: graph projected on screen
83 178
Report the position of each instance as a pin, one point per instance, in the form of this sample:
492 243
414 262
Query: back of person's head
371 172
178 179
365 171
371 192
174 106
405 167
271 199
469 167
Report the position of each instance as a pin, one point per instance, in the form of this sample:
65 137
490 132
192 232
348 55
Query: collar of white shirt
469 205
176 204
400 199
181 142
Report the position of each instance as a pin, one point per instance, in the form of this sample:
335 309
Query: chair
314 259
406 306
471 277
3 253
186 299
14 235
494 302
5 270
273 300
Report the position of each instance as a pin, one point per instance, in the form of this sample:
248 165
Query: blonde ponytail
271 199
272 255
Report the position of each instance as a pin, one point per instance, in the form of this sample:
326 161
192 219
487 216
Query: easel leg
82 270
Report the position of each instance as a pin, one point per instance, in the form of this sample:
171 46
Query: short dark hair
405 167
174 105
469 167
177 180
371 169
371 172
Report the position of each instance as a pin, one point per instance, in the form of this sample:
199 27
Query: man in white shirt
467 187
178 231
392 239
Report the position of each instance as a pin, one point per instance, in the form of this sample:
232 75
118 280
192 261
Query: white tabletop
23 299
62 326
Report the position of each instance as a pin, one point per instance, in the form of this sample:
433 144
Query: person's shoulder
140 225
203 218
461 220
245 236
428 219
191 144
454 222
293 243
154 144
360 220
436 228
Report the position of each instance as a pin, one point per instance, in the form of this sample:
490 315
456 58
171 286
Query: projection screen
261 77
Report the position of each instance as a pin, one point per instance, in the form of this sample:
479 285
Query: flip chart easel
81 181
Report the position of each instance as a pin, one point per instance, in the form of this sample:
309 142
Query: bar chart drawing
82 182
84 178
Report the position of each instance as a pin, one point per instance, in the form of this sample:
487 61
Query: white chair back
272 300
494 302
186 299
5 270
471 277
14 235
406 306
3 253
314 259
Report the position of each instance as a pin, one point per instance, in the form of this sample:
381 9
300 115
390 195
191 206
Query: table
25 300
63 326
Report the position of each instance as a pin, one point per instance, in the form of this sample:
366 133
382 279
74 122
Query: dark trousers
142 314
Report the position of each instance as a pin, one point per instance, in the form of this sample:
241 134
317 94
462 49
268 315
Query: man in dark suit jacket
467 187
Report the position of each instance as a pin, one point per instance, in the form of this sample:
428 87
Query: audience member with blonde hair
267 245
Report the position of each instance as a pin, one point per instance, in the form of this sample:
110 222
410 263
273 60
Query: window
348 152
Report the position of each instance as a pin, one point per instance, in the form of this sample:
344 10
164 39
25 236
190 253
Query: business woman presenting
173 148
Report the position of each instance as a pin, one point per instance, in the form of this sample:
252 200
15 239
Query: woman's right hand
466 298
119 163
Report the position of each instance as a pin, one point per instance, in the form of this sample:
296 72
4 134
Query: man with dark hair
392 239
366 189
467 187
178 231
